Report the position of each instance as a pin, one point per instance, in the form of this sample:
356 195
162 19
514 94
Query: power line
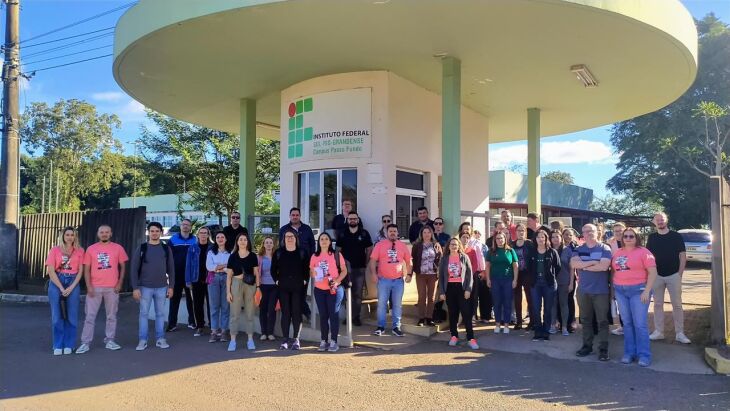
68 64
65 55
125 6
66 38
65 46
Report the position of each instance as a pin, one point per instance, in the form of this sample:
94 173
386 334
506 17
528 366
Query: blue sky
93 81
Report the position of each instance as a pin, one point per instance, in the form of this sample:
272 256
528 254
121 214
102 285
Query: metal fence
39 232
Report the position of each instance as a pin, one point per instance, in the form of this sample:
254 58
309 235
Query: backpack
143 255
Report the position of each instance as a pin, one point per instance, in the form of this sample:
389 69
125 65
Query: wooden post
720 212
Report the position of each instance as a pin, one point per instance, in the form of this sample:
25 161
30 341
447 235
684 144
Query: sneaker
473 344
644 362
397 332
198 332
142 345
506 330
263 337
565 332
295 345
497 329
192 326
272 338
333 347
603 355
82 348
111 345
162 343
656 335
379 332
430 323
626 359
421 322
57 351
553 330
618 331
584 351
356 322
322 346
453 341
250 345
223 336
232 345
213 337
67 351
682 338
284 346
170 329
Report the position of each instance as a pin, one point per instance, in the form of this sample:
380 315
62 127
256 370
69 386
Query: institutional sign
336 124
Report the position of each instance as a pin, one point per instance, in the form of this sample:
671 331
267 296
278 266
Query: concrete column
534 196
451 142
247 161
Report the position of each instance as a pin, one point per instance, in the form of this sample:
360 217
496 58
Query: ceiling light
584 75
441 55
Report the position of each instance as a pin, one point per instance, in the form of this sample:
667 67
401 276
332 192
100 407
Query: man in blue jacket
179 244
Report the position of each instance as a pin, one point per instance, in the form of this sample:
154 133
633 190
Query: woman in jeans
242 281
65 269
544 266
196 275
290 270
566 283
502 279
328 294
455 281
216 263
269 294
634 270
426 256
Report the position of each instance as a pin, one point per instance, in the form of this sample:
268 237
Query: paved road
196 375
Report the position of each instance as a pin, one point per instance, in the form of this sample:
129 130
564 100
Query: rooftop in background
158 203
509 187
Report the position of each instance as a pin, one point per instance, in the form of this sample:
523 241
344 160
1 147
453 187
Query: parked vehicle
698 244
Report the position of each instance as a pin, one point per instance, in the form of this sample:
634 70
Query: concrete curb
34 298
717 362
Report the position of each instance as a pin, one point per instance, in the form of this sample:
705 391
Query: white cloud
133 107
108 96
554 152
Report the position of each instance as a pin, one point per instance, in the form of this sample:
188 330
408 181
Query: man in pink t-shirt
389 262
105 262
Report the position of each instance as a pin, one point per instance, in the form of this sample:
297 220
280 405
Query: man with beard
355 245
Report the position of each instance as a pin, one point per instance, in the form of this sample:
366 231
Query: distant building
164 209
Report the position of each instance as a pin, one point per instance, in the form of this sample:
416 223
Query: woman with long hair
544 266
427 254
455 282
216 263
269 294
196 276
328 273
241 283
502 279
65 269
570 243
290 271
566 282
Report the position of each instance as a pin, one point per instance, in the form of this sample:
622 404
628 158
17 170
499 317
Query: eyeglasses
233 217
386 221
289 237
353 219
437 223
629 236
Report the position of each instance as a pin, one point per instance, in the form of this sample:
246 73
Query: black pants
522 285
291 311
200 296
485 300
457 304
304 307
175 302
267 308
357 277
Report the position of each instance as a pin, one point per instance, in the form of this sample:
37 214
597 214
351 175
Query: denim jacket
192 263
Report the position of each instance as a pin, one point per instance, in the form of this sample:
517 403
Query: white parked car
698 244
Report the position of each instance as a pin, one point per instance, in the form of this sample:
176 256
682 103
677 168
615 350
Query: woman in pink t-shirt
65 269
327 291
455 287
634 272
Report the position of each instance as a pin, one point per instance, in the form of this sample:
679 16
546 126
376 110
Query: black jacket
292 275
552 266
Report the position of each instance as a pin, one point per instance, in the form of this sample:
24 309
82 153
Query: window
410 195
320 194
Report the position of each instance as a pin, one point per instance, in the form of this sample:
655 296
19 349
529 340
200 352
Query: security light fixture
584 75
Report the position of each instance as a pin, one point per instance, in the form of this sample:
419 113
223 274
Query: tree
559 177
649 168
624 205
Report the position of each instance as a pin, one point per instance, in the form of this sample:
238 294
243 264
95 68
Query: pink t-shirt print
454 268
103 261
630 266
391 257
65 264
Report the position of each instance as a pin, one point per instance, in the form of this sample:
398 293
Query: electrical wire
65 46
69 37
68 64
65 55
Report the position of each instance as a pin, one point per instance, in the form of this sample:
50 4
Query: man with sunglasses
438 231
390 261
233 230
355 245
423 220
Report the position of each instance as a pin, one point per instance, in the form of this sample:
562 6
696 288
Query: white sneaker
67 351
496 329
57 351
682 338
142 345
263 337
322 346
333 347
618 331
506 330
111 345
162 343
656 335
82 348
272 338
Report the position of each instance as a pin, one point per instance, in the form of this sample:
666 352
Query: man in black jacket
423 220
355 245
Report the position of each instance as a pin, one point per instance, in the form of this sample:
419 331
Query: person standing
416 226
305 237
220 311
180 243
389 262
269 291
196 276
355 245
506 217
382 234
441 236
522 247
104 264
152 278
616 242
498 228
427 254
668 248
474 253
503 273
328 274
634 274
593 260
290 271
339 223
533 224
544 266
455 279
241 284
65 268
566 284
233 229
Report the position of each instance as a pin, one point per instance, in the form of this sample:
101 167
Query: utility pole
43 196
9 187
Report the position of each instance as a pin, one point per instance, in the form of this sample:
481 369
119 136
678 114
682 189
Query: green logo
298 134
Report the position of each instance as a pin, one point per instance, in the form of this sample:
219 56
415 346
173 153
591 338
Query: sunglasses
629 236
386 221
437 223
235 218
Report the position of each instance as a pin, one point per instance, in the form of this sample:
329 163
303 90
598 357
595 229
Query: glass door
320 194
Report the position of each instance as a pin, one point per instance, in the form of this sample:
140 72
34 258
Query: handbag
210 277
249 278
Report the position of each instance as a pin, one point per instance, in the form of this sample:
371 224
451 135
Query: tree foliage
624 205
649 169
559 177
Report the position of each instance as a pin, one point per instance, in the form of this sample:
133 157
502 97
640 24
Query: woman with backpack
328 269
290 271
269 293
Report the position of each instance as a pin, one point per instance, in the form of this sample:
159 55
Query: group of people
477 281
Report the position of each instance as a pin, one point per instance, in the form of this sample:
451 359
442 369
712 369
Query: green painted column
451 142
534 189
247 161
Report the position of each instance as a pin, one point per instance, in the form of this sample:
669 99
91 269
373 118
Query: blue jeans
542 294
220 311
328 305
390 290
634 314
502 299
64 330
150 295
